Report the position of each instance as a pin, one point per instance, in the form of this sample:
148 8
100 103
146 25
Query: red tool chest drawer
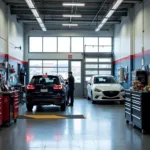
1 111
10 107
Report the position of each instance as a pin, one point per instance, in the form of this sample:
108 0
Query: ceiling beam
48 21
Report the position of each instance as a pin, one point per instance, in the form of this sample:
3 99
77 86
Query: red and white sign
69 56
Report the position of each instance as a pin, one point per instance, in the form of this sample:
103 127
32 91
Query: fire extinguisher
126 77
12 70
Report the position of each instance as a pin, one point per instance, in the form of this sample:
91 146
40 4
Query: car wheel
29 107
63 106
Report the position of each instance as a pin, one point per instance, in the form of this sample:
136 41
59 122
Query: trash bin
10 102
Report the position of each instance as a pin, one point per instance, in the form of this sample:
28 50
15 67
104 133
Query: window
50 44
105 60
35 44
48 80
51 71
63 72
101 72
87 79
76 67
105 44
105 41
91 44
63 44
105 66
35 63
91 66
63 63
105 80
50 63
34 71
91 72
63 68
91 60
77 44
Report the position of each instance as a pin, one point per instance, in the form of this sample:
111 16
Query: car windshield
45 80
105 80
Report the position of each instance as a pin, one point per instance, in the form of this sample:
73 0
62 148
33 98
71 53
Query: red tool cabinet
1 111
10 107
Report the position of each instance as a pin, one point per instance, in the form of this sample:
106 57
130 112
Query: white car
105 88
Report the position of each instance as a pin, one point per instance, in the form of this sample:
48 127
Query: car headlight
97 90
122 90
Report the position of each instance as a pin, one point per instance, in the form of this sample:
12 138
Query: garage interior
87 37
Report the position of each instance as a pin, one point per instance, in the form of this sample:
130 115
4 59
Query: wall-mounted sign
69 56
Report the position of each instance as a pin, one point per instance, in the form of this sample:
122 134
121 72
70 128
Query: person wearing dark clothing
71 88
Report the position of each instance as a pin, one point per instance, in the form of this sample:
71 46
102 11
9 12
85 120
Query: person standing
71 88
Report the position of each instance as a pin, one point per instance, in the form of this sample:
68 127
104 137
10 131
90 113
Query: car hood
108 87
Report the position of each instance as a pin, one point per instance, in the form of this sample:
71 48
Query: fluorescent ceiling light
73 4
42 25
104 20
30 3
117 4
73 25
35 13
78 16
39 20
109 14
99 27
44 29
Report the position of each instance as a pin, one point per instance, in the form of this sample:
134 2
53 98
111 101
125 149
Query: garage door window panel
104 72
108 60
35 63
91 72
63 63
91 66
76 69
50 71
50 63
101 66
34 71
93 60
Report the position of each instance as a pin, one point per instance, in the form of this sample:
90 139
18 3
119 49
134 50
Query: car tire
29 107
93 102
88 98
63 106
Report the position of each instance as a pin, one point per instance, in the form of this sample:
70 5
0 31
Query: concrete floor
103 129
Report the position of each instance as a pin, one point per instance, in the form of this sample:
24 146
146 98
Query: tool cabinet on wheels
137 109
10 102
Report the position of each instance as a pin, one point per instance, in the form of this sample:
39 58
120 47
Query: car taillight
57 87
30 87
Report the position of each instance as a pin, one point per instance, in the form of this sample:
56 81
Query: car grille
111 93
111 98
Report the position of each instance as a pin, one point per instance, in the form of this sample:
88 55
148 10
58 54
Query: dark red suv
46 90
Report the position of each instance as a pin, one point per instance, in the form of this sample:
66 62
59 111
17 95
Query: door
76 68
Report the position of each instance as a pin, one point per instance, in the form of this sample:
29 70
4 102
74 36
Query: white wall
11 34
122 39
134 31
3 29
